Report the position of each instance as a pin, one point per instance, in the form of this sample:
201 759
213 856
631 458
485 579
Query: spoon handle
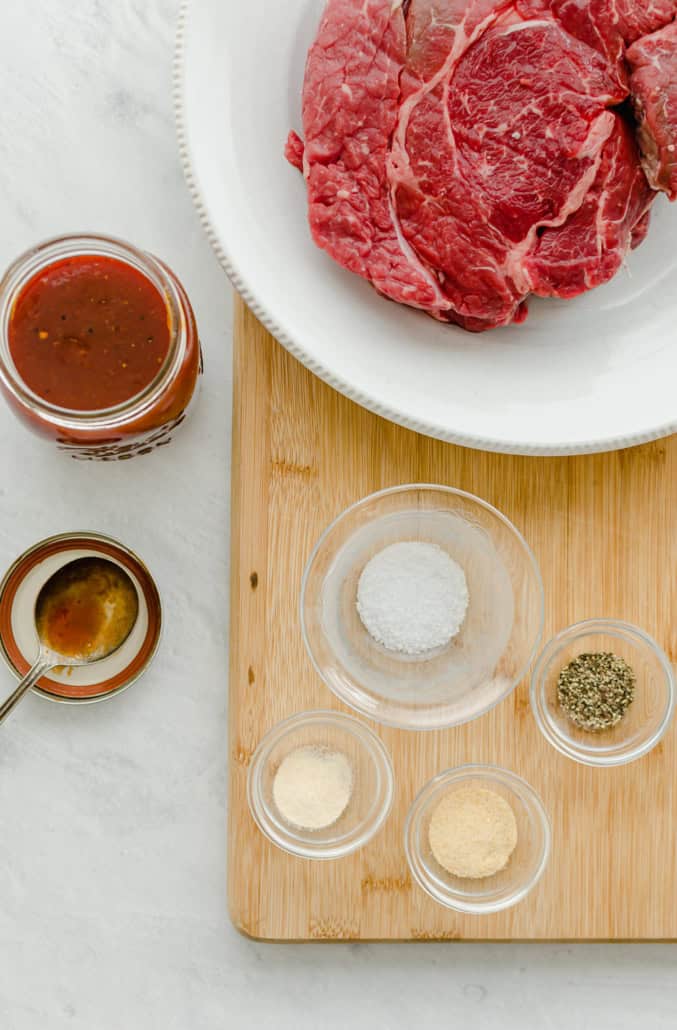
42 666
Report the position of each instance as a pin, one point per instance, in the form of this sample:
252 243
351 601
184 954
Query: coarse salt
412 597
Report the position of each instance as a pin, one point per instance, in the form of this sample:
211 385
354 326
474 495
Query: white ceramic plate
594 374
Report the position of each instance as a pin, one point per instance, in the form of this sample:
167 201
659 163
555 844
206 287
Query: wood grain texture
605 533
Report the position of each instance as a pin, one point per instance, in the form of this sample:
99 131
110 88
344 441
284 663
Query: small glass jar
137 425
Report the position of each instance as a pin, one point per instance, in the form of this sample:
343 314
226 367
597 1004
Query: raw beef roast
653 84
606 25
463 154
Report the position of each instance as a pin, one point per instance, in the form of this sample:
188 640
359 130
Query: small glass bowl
479 667
528 861
373 784
645 721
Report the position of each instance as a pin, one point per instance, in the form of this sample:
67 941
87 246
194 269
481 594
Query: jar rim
42 256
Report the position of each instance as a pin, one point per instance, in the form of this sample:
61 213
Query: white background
112 817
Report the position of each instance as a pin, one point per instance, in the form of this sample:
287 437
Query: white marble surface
112 817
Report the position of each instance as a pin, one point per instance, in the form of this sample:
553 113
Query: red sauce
89 332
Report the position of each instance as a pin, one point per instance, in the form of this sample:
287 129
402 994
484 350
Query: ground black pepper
596 690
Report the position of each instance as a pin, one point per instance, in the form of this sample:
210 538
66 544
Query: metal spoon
84 612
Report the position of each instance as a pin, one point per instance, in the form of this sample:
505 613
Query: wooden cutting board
605 532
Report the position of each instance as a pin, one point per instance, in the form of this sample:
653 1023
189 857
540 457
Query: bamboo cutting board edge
286 424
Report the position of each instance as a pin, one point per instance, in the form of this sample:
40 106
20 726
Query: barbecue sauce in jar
99 347
89 333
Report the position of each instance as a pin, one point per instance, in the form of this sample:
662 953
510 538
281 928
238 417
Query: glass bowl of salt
320 785
422 607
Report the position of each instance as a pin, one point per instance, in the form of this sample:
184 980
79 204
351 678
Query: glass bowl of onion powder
603 692
320 785
477 839
422 607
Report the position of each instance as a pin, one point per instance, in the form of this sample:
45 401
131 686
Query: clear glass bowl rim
455 775
383 720
368 739
590 627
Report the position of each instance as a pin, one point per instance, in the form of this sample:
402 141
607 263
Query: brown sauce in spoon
87 609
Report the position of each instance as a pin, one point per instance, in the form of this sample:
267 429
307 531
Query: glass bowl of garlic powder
422 607
320 785
477 839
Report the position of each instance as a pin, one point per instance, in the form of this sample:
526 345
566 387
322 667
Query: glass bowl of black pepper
603 692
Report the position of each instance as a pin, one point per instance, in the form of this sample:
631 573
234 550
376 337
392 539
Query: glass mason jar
135 426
